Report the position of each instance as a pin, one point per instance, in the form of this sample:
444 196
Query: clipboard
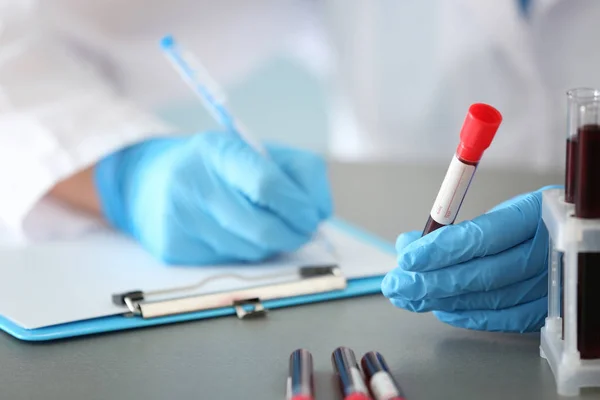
139 307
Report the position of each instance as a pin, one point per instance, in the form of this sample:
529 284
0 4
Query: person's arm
78 191
58 116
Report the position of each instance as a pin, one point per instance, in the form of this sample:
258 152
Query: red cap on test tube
478 131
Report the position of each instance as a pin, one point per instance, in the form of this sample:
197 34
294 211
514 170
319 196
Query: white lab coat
77 79
408 72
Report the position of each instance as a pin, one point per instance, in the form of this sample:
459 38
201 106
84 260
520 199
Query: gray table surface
231 359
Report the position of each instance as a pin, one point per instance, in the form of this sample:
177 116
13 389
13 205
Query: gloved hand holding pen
210 198
489 273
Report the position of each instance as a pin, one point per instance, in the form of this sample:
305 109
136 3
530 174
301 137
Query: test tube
587 206
573 99
350 379
300 383
587 190
379 378
478 131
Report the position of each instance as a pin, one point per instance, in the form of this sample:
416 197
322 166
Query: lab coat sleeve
58 114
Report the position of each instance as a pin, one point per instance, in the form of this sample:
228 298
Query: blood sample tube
587 190
587 206
379 379
478 131
300 383
350 379
573 98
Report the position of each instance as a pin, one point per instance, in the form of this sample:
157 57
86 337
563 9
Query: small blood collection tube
300 382
478 131
351 381
379 379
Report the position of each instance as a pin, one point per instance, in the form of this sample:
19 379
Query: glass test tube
587 206
300 383
573 98
587 189
478 131
382 384
351 381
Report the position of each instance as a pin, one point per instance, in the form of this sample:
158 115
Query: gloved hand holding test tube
488 273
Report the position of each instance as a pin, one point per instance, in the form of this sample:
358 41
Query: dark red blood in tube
587 205
431 226
587 191
588 305
570 170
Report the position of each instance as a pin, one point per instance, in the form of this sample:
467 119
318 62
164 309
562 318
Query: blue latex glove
486 274
210 198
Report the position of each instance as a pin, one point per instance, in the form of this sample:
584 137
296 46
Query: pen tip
167 42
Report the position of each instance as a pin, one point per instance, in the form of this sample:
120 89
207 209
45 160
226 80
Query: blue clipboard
355 287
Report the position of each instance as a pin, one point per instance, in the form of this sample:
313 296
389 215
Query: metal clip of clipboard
313 280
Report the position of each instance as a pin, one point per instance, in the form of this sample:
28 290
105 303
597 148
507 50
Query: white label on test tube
383 386
453 189
359 382
288 391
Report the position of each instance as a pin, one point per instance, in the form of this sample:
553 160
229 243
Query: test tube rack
568 236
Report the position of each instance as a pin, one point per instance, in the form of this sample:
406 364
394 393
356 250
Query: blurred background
282 94
360 81
280 100
332 76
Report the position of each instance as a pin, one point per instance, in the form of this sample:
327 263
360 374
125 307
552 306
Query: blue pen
206 88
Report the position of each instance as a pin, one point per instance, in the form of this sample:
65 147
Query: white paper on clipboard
54 283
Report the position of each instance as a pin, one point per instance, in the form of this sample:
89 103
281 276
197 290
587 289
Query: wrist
115 177
109 187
